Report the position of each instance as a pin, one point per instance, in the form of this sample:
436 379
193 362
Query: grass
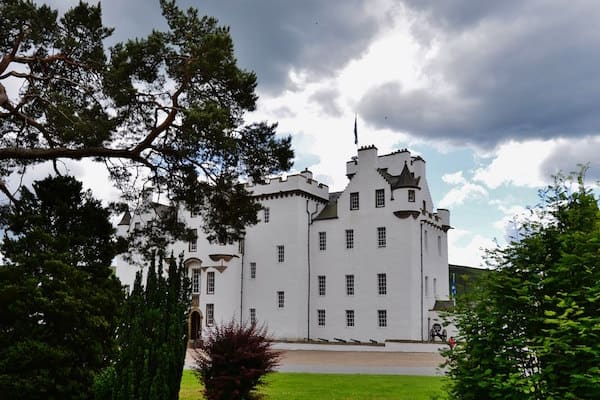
297 386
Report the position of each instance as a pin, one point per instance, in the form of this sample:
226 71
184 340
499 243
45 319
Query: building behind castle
364 264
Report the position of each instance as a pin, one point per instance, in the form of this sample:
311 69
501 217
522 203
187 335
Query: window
424 206
349 238
210 314
381 239
322 285
382 318
253 316
137 226
379 198
439 241
354 201
350 285
349 318
193 244
210 282
193 213
322 241
252 270
435 294
280 299
411 195
321 317
196 280
280 253
382 284
266 215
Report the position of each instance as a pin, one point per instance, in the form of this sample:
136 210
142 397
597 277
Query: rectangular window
349 318
280 299
350 285
379 198
382 284
381 237
322 285
439 241
280 253
196 280
210 314
382 318
253 316
193 244
411 195
322 241
354 201
137 226
266 215
349 238
252 270
321 317
210 282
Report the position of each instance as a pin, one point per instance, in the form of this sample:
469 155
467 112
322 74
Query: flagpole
355 130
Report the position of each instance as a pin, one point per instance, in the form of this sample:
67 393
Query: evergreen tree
532 331
165 111
59 299
153 335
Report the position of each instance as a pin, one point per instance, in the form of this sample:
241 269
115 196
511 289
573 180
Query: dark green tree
165 111
153 335
532 330
59 299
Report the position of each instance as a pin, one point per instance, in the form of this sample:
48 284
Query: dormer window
411 196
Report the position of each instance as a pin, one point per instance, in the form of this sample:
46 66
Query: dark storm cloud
270 36
525 71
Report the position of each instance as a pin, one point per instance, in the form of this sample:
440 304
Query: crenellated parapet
297 183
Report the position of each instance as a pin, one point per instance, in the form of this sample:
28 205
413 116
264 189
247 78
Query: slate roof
406 179
330 210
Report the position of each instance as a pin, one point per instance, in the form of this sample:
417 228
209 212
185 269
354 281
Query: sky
496 96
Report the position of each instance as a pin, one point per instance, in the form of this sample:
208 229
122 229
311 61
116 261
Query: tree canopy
532 330
60 300
165 113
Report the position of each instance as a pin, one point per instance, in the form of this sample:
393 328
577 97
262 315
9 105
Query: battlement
302 181
393 162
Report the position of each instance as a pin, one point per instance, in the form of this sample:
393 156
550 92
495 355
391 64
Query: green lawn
292 386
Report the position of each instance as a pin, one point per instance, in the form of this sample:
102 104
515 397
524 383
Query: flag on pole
355 131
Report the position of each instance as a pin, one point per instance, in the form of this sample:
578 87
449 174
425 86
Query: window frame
252 270
381 237
266 215
252 313
280 299
322 285
210 314
382 284
350 285
321 317
411 196
193 244
354 201
350 319
322 241
280 253
382 318
379 198
210 282
349 238
196 278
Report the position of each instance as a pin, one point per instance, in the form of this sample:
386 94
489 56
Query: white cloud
455 178
516 163
466 248
464 191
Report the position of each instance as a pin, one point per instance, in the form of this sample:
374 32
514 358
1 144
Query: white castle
366 264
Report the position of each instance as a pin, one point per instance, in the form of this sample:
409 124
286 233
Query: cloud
327 100
464 191
500 71
567 155
466 248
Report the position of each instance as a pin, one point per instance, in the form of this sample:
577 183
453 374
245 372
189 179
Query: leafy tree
233 360
153 336
532 331
59 299
165 111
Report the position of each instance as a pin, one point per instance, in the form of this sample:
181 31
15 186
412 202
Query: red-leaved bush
233 360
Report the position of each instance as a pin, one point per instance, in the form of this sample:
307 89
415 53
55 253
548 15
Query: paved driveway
356 362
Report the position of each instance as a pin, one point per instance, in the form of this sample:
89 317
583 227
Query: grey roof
330 210
406 179
126 219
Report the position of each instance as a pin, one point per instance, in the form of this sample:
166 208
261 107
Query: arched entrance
195 326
